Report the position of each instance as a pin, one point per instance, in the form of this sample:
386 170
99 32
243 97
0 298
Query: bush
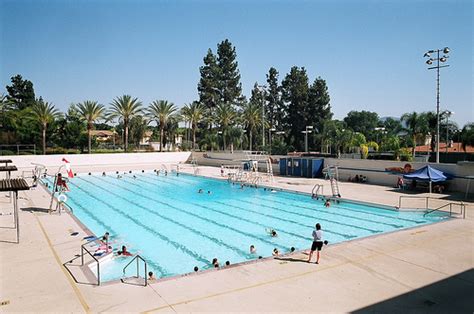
5 152
405 154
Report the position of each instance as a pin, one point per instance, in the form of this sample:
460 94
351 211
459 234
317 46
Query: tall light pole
270 138
308 127
430 60
263 89
448 114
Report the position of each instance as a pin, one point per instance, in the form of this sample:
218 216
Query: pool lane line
233 216
199 217
239 218
250 221
157 267
319 218
321 210
218 242
290 197
177 245
79 295
346 236
398 218
363 211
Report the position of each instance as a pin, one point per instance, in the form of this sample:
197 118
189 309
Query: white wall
374 170
81 161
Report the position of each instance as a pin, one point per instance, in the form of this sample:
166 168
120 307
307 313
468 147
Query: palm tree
252 118
194 113
125 108
416 126
90 111
44 113
161 111
225 115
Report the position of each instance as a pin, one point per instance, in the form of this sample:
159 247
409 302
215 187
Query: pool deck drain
424 268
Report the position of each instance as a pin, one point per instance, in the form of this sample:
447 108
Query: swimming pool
175 228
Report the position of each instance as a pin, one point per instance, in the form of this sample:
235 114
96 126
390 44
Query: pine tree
319 109
295 97
21 93
257 99
274 107
229 76
208 84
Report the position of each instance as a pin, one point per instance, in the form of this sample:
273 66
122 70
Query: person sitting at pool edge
275 252
151 276
215 262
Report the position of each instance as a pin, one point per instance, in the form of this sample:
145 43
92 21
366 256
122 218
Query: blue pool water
175 228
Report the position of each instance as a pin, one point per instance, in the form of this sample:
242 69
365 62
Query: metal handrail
92 255
316 188
137 258
428 198
68 206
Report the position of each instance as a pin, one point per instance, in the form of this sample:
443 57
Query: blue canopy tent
428 173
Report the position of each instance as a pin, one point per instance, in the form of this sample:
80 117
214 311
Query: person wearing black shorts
317 243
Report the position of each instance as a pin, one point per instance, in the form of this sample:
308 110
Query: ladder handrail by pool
137 258
462 206
92 255
428 198
315 190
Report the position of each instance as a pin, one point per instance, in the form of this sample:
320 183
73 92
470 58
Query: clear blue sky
369 52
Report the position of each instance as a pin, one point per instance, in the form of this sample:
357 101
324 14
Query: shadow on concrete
290 259
35 209
451 295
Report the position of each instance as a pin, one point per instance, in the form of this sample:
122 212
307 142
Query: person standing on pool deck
317 243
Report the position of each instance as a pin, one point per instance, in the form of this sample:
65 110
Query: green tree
90 111
71 130
390 143
225 116
257 98
318 109
295 97
208 89
161 111
392 126
251 118
274 110
138 127
467 136
6 111
44 113
21 92
362 121
417 126
229 76
124 108
194 113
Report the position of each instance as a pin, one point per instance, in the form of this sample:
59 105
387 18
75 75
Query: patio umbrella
429 174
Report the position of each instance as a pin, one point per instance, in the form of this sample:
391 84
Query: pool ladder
315 192
137 258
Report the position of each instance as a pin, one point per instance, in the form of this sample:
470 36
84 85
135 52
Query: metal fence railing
17 149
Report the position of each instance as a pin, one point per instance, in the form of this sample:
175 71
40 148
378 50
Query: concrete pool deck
428 268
